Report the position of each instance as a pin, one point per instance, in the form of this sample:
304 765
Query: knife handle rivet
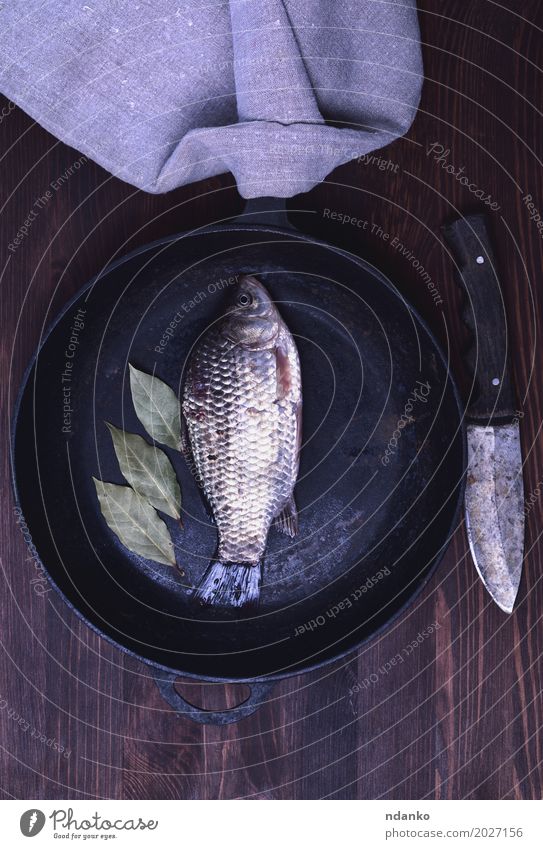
495 381
480 260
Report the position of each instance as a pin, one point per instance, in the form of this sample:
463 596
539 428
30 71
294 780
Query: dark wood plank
460 715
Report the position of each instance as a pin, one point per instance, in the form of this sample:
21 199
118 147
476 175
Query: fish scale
242 418
237 432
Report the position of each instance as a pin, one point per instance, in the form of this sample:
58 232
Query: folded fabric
161 93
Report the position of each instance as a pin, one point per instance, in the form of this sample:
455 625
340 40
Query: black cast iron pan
381 466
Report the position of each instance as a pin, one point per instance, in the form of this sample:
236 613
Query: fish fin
298 427
209 513
230 585
287 520
283 372
186 451
185 441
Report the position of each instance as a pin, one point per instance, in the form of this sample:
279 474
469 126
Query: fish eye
244 300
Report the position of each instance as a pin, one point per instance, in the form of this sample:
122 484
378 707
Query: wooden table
462 716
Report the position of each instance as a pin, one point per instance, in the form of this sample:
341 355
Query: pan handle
271 212
256 698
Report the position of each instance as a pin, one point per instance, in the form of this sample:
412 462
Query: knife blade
494 499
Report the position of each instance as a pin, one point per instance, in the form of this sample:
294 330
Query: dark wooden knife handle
493 394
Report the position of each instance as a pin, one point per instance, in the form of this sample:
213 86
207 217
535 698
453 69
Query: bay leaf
148 470
135 522
157 407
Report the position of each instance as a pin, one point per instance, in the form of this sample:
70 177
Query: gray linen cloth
162 93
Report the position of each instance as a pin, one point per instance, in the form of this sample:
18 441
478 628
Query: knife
494 499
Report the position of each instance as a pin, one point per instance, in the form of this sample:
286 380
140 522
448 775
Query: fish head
252 318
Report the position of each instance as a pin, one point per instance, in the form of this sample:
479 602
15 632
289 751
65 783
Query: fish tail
230 585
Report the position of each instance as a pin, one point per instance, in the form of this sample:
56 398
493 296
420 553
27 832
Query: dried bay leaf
135 522
148 470
157 407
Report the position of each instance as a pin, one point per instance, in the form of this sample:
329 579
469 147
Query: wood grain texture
461 715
